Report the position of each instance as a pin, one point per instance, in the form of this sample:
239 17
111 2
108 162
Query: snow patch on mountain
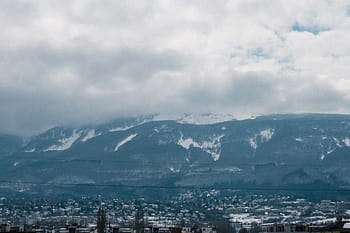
299 139
266 134
232 169
337 142
126 127
120 129
65 143
124 141
205 119
196 118
253 143
347 142
174 170
261 137
187 143
162 128
30 150
213 147
89 135
326 150
331 151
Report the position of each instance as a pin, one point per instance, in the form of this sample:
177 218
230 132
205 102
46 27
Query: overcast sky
80 61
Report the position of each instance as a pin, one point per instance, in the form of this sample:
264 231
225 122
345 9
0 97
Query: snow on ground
324 221
244 218
65 143
212 147
89 135
126 140
299 140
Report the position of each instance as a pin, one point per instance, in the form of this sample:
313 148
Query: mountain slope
9 144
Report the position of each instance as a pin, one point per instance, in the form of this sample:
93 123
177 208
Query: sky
81 61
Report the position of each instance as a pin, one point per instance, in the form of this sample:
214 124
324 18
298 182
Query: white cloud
77 61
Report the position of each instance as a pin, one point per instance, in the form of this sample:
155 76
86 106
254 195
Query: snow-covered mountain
63 138
310 150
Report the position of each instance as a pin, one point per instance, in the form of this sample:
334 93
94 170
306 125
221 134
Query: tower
101 220
139 223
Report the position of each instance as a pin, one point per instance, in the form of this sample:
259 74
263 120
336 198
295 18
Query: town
192 211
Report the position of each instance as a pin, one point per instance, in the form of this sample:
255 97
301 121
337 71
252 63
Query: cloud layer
81 61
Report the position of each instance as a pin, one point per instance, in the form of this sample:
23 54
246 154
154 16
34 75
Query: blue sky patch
259 52
313 29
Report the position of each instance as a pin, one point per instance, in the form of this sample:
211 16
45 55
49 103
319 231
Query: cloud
75 62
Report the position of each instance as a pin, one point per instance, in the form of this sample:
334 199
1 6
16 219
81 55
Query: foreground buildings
205 212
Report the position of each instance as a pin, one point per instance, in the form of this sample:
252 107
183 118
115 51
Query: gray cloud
43 87
75 62
90 64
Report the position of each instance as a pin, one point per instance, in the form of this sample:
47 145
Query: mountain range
275 152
